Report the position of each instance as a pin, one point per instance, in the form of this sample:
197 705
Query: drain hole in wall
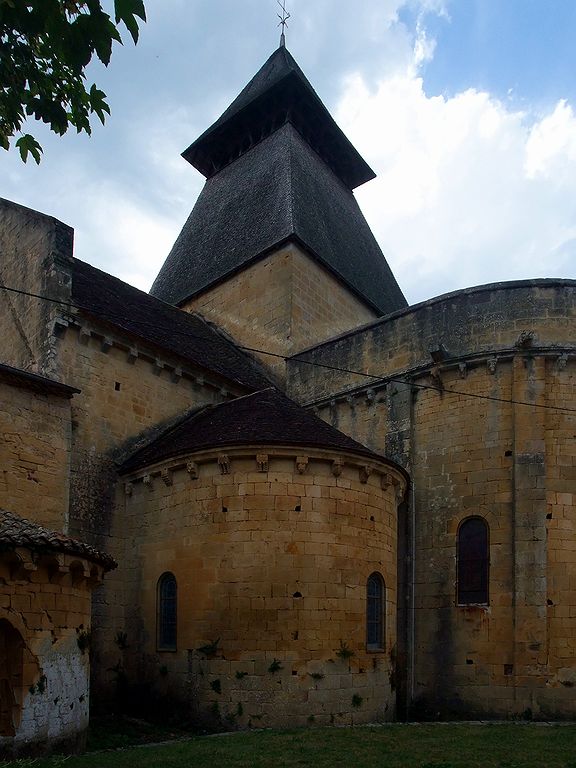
117 386
372 518
469 661
297 594
298 508
549 602
224 509
508 453
549 516
508 669
295 635
294 672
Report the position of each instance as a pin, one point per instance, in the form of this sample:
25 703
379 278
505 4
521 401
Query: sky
465 109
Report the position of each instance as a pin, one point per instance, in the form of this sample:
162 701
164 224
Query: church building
270 493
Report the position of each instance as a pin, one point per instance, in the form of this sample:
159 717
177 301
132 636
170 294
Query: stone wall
470 383
35 256
271 549
281 304
35 431
128 394
45 628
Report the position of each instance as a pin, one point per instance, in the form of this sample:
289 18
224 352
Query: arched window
166 609
375 612
473 562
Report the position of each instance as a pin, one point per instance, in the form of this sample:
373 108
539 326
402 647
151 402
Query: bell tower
276 250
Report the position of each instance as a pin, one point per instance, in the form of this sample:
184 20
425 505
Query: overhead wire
111 317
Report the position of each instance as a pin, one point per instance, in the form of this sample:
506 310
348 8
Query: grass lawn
390 746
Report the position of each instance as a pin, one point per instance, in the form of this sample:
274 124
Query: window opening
375 605
167 599
473 562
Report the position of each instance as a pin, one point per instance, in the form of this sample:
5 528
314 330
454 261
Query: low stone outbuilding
46 580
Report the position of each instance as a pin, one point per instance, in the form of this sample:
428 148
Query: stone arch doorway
11 666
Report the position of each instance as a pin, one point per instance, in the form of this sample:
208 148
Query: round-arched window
166 612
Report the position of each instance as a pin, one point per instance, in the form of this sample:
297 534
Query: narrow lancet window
375 612
473 562
166 609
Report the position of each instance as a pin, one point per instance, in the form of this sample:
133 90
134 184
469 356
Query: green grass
390 746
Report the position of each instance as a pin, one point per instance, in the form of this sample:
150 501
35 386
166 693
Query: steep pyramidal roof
278 93
279 169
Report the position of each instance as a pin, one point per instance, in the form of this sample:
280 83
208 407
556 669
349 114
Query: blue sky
464 108
524 49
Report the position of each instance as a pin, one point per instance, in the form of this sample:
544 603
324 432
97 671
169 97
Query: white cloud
551 145
468 190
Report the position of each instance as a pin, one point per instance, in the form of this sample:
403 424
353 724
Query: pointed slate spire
278 170
277 94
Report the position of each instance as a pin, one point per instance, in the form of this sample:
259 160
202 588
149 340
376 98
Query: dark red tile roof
264 418
16 531
162 325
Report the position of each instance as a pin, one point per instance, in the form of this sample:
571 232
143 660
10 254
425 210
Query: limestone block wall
45 639
128 392
35 430
35 256
281 304
485 426
271 550
468 323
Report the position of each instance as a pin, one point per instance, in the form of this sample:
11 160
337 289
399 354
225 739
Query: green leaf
27 144
98 103
126 11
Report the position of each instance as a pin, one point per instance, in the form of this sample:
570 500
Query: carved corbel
147 480
491 364
158 367
224 464
301 464
388 482
463 369
562 362
128 488
132 355
166 476
365 473
106 344
262 462
176 375
192 469
337 467
84 336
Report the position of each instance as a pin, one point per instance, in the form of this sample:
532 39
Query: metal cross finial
283 21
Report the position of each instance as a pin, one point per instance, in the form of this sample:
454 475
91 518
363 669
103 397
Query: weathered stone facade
272 526
281 304
271 553
45 625
483 430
